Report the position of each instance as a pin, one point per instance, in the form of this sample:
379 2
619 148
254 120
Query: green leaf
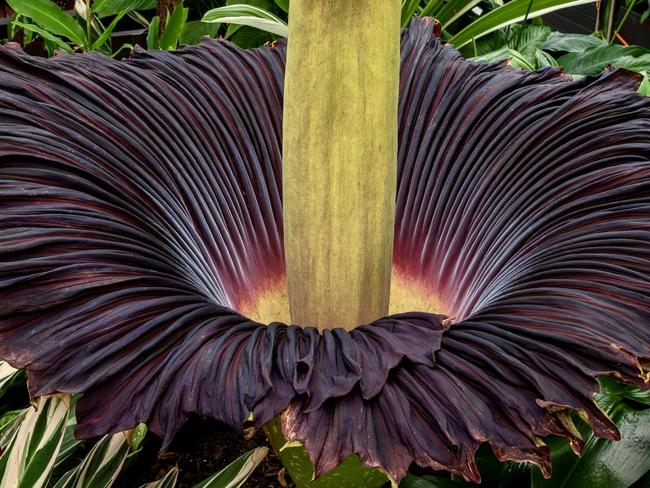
411 481
105 8
638 64
248 15
527 39
106 34
136 436
9 425
48 16
604 463
167 481
595 59
452 10
510 13
571 43
101 466
236 473
516 58
408 10
8 376
153 33
644 88
46 35
70 443
195 30
283 4
544 59
31 454
173 28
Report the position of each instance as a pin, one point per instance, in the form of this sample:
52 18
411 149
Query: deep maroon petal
140 211
524 207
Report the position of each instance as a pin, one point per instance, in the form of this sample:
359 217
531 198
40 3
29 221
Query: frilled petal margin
140 210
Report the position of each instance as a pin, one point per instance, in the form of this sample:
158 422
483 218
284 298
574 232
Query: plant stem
340 159
630 5
89 31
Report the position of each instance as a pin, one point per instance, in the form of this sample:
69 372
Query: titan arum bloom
145 261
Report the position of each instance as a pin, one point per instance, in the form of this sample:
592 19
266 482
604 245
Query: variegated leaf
167 481
31 454
101 466
236 473
70 442
7 375
10 422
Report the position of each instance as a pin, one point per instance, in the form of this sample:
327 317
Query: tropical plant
39 440
602 463
469 242
84 31
474 21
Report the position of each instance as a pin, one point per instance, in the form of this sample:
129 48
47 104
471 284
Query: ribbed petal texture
140 208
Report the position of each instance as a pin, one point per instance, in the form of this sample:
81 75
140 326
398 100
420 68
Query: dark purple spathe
140 206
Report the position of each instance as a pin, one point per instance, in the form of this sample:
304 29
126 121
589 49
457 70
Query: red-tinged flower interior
141 231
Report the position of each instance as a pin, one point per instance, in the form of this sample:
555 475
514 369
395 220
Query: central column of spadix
340 153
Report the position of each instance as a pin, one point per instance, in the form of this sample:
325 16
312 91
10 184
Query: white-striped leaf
7 376
101 466
31 454
247 15
70 442
167 481
236 473
9 424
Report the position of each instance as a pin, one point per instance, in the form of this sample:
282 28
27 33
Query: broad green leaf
106 34
247 15
101 466
516 58
167 481
31 454
64 46
571 43
604 463
173 28
638 63
411 481
49 17
249 37
510 13
236 473
544 59
595 59
283 4
527 39
195 30
105 8
153 33
408 10
500 474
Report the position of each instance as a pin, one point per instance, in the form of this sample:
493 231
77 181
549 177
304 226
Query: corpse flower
203 232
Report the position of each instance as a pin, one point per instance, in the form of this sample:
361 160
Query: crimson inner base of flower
269 302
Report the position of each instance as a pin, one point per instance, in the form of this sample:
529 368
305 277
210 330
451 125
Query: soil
201 449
